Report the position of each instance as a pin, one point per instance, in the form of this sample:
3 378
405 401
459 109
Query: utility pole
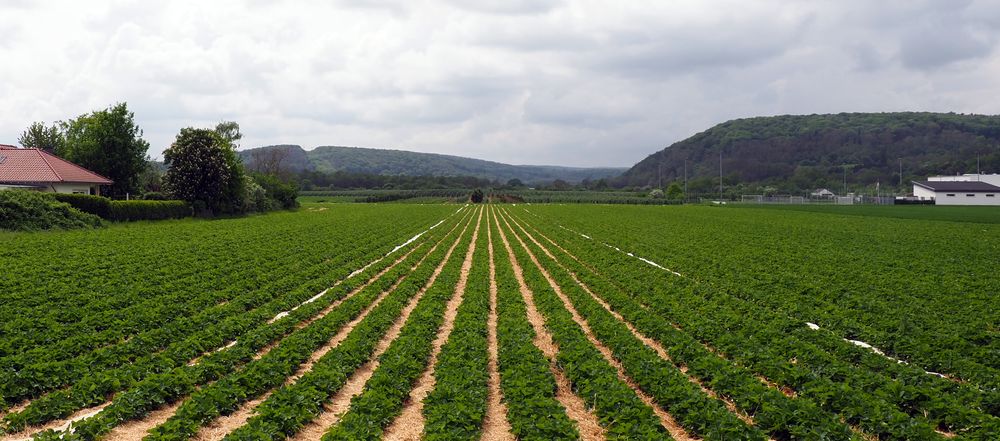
845 179
720 175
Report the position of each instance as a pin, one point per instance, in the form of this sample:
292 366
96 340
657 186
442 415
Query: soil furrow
787 391
136 430
495 424
587 423
409 425
649 342
222 426
57 425
341 401
668 421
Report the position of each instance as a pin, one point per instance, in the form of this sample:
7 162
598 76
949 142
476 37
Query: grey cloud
942 44
511 7
576 83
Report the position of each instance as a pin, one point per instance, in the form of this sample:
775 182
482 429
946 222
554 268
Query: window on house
951 195
990 195
970 195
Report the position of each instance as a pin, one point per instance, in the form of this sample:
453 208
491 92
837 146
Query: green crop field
512 321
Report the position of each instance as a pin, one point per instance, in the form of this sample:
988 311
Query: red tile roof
36 166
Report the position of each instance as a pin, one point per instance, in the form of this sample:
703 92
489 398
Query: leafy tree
560 184
656 193
205 171
39 136
477 196
675 192
110 143
230 131
515 183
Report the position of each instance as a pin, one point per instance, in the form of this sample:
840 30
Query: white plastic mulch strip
627 253
868 346
316 297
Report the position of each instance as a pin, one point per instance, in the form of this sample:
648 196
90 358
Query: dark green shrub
32 211
155 196
123 211
285 195
96 205
477 196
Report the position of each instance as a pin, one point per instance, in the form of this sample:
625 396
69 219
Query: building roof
958 186
37 166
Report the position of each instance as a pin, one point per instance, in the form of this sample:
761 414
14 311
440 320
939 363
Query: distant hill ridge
401 162
791 152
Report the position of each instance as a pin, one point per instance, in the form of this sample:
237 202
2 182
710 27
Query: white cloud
580 82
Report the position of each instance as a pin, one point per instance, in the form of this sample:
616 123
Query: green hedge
96 205
148 210
124 211
32 211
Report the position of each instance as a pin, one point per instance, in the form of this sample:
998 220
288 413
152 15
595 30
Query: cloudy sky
583 83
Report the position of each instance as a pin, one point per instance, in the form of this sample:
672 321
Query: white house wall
69 188
923 193
942 198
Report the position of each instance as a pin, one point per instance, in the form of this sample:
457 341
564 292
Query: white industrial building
969 189
992 178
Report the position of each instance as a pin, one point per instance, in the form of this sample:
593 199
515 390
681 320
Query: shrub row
124 211
32 211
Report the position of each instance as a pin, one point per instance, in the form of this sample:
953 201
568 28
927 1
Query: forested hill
399 162
792 152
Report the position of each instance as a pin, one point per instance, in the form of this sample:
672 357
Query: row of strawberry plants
622 413
188 295
405 359
773 412
218 363
906 308
834 385
224 379
454 410
700 414
291 407
528 386
29 381
953 405
200 331
95 385
262 375
102 313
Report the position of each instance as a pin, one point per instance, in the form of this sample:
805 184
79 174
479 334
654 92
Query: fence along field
498 322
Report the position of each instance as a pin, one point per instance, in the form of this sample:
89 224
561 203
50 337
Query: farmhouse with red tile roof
34 169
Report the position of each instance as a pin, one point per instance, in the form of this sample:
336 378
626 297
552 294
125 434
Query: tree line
202 166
